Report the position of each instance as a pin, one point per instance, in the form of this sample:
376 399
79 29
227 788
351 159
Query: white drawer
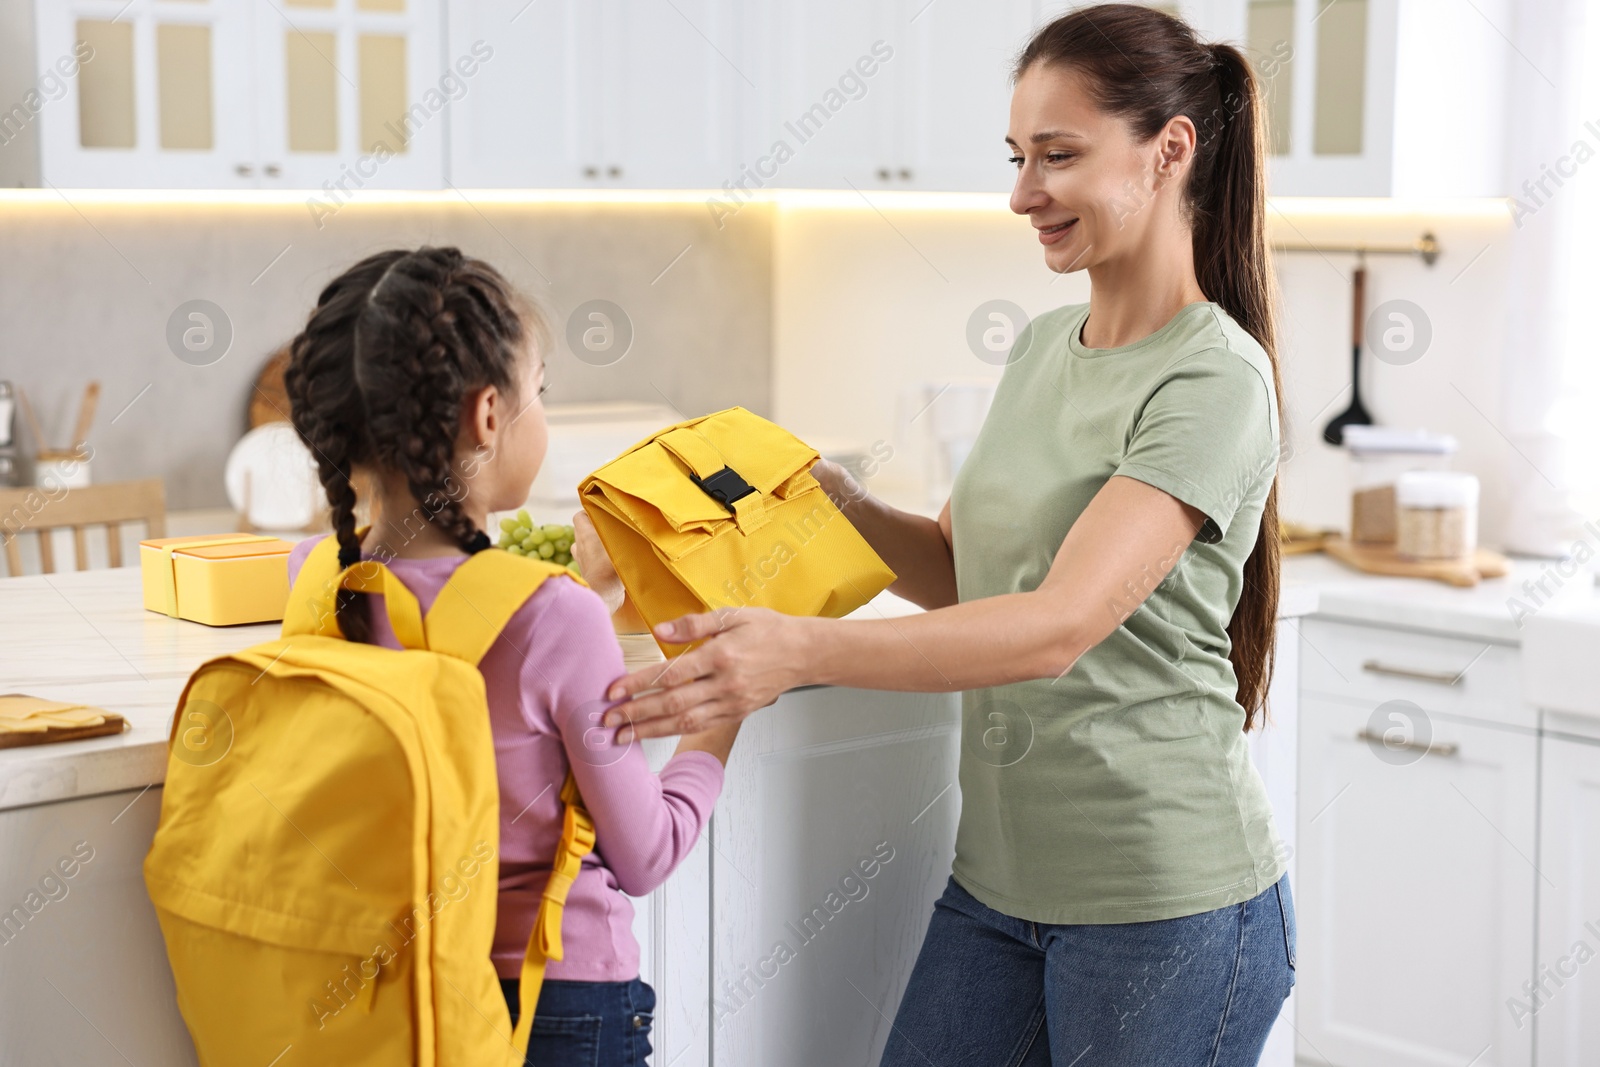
1451 675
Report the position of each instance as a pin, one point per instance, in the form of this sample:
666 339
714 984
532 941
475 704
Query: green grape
526 541
508 524
573 567
524 519
520 533
514 550
536 535
554 531
546 550
563 544
561 558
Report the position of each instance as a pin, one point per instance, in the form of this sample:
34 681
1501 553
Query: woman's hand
751 657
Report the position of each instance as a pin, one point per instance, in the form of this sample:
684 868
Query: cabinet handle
905 174
1448 748
272 170
883 174
1372 666
591 172
613 172
243 170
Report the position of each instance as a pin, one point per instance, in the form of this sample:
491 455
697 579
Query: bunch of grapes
552 542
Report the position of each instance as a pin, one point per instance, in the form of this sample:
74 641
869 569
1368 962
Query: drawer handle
1448 748
1372 666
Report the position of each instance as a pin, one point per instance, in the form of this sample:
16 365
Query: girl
424 371
1102 585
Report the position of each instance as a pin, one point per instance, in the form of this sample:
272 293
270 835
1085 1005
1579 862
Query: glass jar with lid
1436 515
1382 454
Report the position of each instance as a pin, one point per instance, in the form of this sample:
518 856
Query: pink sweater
546 678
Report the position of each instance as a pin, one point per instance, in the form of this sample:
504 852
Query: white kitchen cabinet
1562 999
348 94
1275 751
618 93
302 94
885 94
1393 98
162 94
83 972
825 114
1416 894
954 98
834 835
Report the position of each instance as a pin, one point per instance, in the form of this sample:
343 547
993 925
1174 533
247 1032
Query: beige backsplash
820 311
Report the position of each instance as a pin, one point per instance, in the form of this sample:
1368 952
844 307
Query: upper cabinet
297 94
152 94
1365 97
891 94
613 93
1402 98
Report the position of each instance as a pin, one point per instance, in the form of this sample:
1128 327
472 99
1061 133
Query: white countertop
1484 612
86 636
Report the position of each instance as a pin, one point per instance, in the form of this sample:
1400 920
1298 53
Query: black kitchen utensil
1355 414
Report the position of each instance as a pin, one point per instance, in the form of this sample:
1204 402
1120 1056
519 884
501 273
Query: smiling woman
1101 586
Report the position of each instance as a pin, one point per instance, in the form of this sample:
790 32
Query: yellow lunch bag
326 868
722 511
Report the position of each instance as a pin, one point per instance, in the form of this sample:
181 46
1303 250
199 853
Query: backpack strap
311 607
544 942
480 598
469 613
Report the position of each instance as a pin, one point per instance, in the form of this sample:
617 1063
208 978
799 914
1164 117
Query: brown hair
378 376
1148 67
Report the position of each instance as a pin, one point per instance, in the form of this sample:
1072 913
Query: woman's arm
916 548
1118 550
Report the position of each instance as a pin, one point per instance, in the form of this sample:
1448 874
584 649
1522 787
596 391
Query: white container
1436 515
60 470
1382 454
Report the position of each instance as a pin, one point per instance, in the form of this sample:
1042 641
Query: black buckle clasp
725 486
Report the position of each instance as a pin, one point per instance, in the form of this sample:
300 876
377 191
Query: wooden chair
33 509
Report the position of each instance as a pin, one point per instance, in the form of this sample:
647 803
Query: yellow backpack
325 870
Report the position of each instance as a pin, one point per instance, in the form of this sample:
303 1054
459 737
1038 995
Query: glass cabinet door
351 95
156 93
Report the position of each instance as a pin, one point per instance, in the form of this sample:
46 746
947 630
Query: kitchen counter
85 636
1488 611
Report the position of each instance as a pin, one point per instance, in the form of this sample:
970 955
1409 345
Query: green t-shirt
1122 791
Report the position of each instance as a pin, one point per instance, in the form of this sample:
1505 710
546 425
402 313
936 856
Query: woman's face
1083 181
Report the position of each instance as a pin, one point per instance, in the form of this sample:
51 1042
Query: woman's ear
1175 147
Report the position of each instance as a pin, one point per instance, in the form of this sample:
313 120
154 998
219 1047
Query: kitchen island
819 783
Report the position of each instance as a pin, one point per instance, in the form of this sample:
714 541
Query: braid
378 377
436 327
325 405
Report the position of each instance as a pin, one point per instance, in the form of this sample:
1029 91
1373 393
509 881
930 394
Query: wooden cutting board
1382 559
114 724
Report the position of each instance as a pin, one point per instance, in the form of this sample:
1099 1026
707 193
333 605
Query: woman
1101 586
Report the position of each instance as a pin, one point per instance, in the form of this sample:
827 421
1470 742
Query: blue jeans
990 990
587 1024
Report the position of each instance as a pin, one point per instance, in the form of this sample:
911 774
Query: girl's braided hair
378 376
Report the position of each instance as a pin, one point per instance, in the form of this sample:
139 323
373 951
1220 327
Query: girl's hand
750 658
594 564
